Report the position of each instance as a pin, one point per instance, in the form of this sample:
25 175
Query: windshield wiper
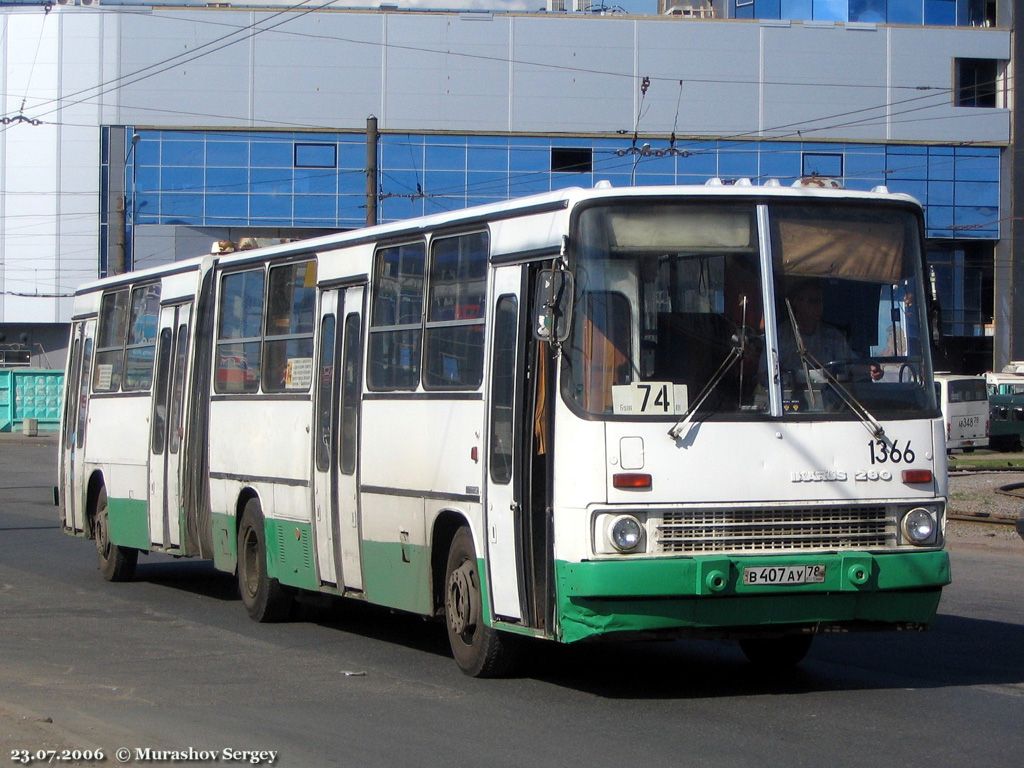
870 422
739 341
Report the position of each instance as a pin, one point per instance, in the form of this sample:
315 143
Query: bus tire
263 597
776 653
479 650
116 563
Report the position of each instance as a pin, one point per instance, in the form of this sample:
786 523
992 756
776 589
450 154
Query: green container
30 393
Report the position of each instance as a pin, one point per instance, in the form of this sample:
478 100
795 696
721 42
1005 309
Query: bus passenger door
349 418
336 437
165 519
76 414
505 430
325 442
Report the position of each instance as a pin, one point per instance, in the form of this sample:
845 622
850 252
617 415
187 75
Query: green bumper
708 593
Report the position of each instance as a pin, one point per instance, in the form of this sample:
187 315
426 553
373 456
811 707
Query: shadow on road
958 651
196 576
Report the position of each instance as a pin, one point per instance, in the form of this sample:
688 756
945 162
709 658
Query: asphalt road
171 661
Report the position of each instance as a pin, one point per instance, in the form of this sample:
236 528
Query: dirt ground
974 502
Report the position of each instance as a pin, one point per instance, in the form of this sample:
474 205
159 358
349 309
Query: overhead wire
254 29
188 56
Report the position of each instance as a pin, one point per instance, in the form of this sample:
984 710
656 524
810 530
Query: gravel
973 495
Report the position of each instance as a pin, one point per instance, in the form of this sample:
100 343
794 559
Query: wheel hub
461 604
102 539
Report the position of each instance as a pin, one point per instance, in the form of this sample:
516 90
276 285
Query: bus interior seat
691 347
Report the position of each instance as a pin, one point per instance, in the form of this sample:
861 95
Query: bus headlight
626 533
920 527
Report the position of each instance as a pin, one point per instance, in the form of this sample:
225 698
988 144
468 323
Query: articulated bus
601 413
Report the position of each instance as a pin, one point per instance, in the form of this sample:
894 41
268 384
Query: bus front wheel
479 650
116 563
776 653
264 598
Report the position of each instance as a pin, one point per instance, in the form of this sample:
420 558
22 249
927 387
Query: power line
185 57
254 29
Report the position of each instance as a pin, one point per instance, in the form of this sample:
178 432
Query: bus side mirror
553 305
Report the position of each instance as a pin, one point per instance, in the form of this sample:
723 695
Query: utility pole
371 171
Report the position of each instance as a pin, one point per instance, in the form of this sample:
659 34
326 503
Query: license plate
784 574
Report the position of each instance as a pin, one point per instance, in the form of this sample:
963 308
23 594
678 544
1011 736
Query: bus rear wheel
479 650
116 563
263 597
776 653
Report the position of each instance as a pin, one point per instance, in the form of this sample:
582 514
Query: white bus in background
964 404
572 416
1006 406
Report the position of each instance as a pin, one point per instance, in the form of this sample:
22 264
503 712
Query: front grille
775 529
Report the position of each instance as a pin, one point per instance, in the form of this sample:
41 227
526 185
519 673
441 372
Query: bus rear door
76 417
336 437
165 519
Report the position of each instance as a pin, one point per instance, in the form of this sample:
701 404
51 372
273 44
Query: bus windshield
669 311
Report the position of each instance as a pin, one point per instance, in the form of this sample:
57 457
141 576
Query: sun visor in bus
673 230
843 249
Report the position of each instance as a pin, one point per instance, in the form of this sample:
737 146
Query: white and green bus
600 413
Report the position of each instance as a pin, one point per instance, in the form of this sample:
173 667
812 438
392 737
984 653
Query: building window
978 82
572 160
316 156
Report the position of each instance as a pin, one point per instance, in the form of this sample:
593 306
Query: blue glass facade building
946 13
304 181
317 180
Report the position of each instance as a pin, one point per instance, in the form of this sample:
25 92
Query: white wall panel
181 68
528 74
318 70
578 73
825 82
445 69
925 58
718 67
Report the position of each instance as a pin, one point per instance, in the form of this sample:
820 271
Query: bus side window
396 322
140 348
288 345
177 388
239 332
160 395
351 386
506 320
324 396
83 394
110 340
454 335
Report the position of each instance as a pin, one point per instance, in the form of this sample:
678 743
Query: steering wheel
911 373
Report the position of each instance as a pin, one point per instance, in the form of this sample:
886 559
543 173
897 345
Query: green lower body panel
290 553
709 593
225 542
397 575
128 521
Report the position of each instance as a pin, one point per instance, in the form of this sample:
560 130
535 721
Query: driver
825 342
